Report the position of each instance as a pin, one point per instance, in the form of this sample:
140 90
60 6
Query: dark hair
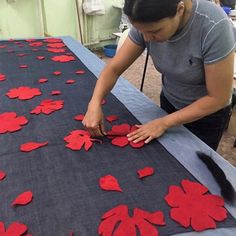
150 10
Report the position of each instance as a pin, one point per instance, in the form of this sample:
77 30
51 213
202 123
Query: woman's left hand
148 131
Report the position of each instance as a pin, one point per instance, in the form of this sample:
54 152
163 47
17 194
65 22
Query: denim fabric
67 197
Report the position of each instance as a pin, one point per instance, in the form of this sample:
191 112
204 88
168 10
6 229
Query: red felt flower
56 50
30 146
70 81
56 45
48 106
40 57
9 122
23 93
23 199
43 80
23 66
112 118
15 229
55 92
63 58
141 220
109 183
78 139
57 72
147 171
2 77
191 206
36 44
118 134
2 175
79 117
80 72
52 40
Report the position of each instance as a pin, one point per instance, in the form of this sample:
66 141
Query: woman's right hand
94 120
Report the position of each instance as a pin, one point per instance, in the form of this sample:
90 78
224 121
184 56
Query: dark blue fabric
67 196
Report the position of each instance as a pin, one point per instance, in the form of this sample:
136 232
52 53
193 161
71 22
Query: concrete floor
152 87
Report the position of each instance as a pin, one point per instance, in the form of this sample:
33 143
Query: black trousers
209 129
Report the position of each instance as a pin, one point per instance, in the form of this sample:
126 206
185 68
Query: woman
192 44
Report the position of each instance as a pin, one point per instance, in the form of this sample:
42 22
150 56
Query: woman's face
159 31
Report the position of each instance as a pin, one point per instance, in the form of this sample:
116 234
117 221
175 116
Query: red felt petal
43 80
110 183
35 49
147 171
120 141
121 130
63 58
16 229
36 44
52 40
40 57
55 92
21 54
79 117
56 50
112 118
2 77
70 81
30 146
57 72
56 45
181 215
23 66
80 72
192 187
137 145
2 175
23 199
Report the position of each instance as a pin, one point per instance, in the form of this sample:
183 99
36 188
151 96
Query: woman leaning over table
192 44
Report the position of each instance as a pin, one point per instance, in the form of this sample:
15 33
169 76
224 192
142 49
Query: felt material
30 146
146 171
109 182
23 93
65 182
2 175
14 229
23 199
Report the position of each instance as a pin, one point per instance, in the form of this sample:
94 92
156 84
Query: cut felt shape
109 183
70 81
79 117
23 66
21 54
30 146
30 40
40 57
78 139
112 118
52 40
143 221
80 72
147 171
23 93
23 199
48 106
55 92
14 229
193 206
103 102
2 77
118 134
10 122
56 45
2 175
42 80
36 44
56 50
3 46
63 58
35 49
57 72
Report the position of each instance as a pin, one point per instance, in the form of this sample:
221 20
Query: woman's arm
219 80
127 54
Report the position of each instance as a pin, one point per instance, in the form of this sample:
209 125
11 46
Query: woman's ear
180 8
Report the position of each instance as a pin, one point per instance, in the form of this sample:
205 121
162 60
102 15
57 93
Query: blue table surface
181 143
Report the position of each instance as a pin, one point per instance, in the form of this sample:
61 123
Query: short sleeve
137 37
219 41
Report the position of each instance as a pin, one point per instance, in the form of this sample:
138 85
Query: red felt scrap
112 118
2 77
3 46
79 117
43 80
57 72
23 199
78 139
14 229
109 183
36 44
193 206
30 146
21 54
118 134
2 175
56 50
80 72
117 222
23 93
63 58
10 122
23 66
52 40
48 106
40 57
55 92
70 81
35 49
56 45
30 40
10 51
103 102
147 171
